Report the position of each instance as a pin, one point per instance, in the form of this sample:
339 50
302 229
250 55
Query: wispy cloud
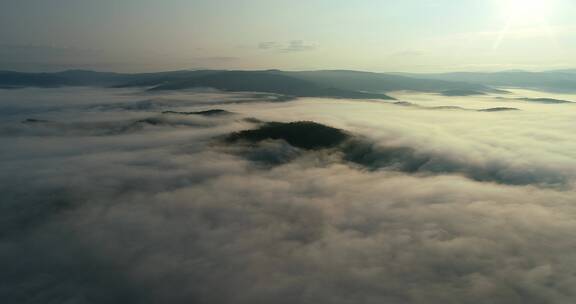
290 46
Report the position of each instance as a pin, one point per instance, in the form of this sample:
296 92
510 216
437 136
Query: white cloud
165 214
290 46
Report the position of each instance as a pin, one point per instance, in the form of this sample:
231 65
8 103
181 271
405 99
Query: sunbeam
525 14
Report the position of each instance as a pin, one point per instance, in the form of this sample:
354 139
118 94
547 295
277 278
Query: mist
106 199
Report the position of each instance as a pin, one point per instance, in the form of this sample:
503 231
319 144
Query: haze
390 35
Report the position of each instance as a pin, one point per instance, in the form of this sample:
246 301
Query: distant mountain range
328 83
338 84
554 81
265 81
380 82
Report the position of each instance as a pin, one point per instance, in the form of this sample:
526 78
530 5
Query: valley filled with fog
121 196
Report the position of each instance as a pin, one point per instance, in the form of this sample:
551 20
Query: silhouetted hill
10 79
310 136
91 78
379 82
303 134
545 100
33 121
339 84
349 84
417 106
562 81
214 112
499 109
566 71
148 80
462 93
270 82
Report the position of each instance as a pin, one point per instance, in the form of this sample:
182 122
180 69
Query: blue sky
376 35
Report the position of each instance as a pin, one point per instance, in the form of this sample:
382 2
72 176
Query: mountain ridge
321 83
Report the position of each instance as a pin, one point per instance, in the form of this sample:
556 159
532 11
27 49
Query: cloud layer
169 213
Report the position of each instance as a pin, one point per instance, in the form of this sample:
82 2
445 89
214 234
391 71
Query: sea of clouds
423 205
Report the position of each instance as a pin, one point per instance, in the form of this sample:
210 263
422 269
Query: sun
527 12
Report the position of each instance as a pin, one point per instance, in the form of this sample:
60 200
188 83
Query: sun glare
522 15
527 12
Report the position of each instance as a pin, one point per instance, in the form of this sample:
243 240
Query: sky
372 35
